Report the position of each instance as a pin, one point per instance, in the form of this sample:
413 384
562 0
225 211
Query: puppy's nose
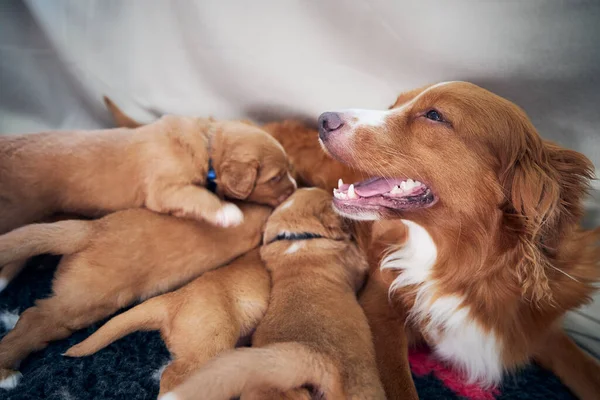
329 122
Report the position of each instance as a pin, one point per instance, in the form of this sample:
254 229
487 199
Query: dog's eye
275 179
434 116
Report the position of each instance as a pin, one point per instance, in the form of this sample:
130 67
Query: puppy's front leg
191 201
576 369
389 337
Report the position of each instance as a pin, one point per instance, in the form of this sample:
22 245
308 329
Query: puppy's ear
237 178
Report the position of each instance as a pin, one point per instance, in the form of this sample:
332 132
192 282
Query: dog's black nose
329 122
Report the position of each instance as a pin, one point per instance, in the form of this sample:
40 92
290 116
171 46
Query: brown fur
119 117
293 135
9 271
506 225
113 261
386 321
314 331
312 166
198 321
162 166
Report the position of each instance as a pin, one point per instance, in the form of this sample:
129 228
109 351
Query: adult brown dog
111 262
197 322
314 332
489 253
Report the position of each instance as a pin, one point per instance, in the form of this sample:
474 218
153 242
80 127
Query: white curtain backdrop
268 59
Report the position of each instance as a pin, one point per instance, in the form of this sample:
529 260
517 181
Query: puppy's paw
9 379
229 215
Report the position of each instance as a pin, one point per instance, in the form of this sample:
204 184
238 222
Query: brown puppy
198 321
113 261
292 135
162 166
314 332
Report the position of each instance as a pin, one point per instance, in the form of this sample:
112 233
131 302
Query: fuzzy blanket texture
130 368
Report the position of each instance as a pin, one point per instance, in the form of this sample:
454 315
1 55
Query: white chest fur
447 322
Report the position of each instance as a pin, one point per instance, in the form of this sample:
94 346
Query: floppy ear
574 174
544 186
237 179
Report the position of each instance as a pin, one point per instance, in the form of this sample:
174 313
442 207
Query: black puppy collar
296 236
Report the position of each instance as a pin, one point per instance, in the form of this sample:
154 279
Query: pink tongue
375 186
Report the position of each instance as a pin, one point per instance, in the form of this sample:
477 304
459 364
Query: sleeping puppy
163 166
111 262
314 333
293 135
198 321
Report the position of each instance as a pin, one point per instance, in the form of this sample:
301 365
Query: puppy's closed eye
276 178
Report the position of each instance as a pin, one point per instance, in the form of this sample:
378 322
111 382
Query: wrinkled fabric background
272 59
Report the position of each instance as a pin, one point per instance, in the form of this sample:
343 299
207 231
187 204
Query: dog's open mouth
375 193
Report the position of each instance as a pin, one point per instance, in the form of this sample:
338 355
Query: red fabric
423 363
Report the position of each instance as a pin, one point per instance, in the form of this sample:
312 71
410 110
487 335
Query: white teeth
339 195
396 190
351 193
340 183
410 184
417 183
403 185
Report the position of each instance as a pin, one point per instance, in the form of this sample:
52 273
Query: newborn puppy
163 166
111 262
198 321
314 333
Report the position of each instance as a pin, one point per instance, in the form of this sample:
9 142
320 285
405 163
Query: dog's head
307 214
452 146
306 226
250 165
456 153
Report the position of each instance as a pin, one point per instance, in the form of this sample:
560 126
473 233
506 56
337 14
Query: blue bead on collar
211 177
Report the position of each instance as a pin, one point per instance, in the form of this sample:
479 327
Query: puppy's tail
282 366
121 119
63 237
147 316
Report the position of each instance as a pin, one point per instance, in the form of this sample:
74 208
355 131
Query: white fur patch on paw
8 319
3 284
11 381
169 396
229 215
